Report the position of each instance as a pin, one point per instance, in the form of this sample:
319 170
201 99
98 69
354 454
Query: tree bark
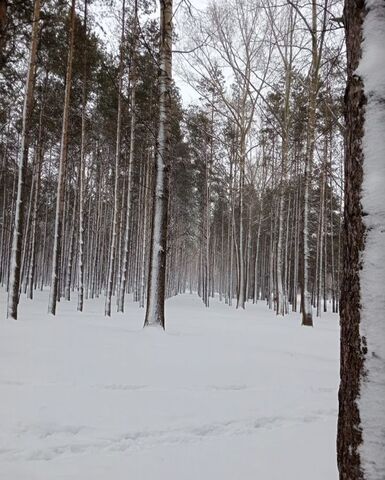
133 81
361 437
62 166
111 267
3 31
15 264
157 273
81 173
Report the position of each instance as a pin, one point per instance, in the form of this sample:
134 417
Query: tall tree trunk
306 305
81 173
71 241
257 287
35 208
15 264
144 237
361 420
287 60
111 267
242 282
133 80
206 234
157 273
320 273
62 167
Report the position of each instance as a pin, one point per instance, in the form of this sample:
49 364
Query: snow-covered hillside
221 395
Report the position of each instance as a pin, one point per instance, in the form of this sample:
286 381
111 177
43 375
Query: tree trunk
81 174
111 267
157 273
306 305
35 209
241 283
15 264
361 420
62 165
133 80
71 241
3 31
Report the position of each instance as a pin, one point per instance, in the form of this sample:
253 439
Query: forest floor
223 394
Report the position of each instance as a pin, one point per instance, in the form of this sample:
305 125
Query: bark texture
114 235
352 347
157 273
18 228
3 30
56 260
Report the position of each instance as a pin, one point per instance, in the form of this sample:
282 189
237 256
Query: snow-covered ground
221 395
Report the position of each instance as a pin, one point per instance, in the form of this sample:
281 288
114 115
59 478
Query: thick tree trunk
157 273
349 423
361 421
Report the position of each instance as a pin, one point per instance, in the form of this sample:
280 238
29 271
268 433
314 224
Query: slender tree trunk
81 174
62 167
124 267
15 264
242 282
257 267
306 305
321 237
35 211
27 229
144 237
70 262
111 267
206 234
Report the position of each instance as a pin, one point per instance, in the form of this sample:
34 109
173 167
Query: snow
372 327
222 394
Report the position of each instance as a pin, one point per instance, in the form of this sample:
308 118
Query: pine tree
16 259
157 272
